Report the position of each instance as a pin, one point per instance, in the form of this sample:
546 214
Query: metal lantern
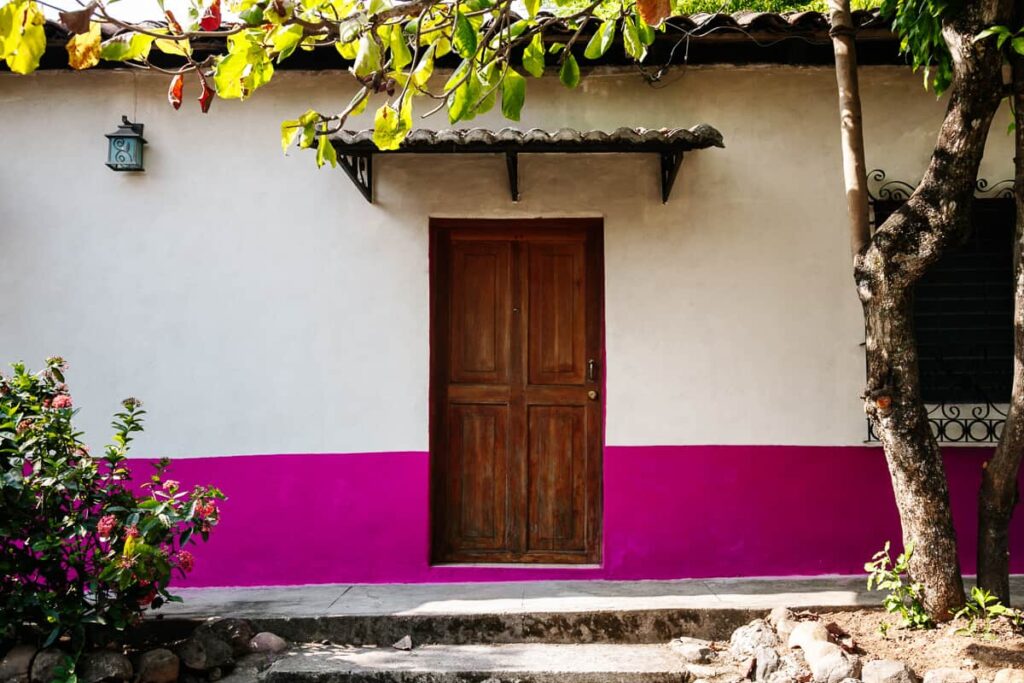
124 146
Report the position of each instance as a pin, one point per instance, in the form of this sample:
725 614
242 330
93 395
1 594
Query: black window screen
963 311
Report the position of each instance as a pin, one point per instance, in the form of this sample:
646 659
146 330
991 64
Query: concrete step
645 626
520 662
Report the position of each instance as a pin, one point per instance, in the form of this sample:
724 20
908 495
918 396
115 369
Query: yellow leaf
84 48
22 38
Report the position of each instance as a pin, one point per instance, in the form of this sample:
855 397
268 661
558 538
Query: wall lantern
124 146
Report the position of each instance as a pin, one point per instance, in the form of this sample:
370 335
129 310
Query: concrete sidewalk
529 597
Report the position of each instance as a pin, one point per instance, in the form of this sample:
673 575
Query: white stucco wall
259 305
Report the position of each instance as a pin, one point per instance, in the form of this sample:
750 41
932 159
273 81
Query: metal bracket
359 168
512 164
670 163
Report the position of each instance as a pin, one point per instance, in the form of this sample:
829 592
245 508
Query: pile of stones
785 649
227 650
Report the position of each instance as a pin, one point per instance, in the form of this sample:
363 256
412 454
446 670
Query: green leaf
390 125
631 39
570 72
532 6
127 46
462 101
601 40
289 131
513 94
400 53
464 36
533 56
1018 45
325 153
425 69
22 37
285 39
367 57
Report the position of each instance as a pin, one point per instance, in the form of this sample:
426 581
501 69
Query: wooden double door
516 411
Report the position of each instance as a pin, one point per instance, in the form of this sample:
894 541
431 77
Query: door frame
512 228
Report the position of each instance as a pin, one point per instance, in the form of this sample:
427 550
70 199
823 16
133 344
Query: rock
783 621
158 666
1009 676
808 632
747 639
949 676
17 664
265 641
693 650
205 651
887 671
405 643
104 666
45 663
235 632
766 662
829 663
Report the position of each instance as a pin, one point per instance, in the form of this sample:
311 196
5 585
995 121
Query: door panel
515 401
479 458
557 313
556 478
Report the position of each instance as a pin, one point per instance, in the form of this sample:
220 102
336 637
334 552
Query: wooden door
515 391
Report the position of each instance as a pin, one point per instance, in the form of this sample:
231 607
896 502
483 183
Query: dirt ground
932 649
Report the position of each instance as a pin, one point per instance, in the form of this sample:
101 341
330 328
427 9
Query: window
963 310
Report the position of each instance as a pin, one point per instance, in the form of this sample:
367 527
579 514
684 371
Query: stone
204 651
104 666
235 632
807 632
747 639
45 663
949 675
829 663
887 671
268 642
404 643
158 666
783 621
693 650
1009 676
766 662
17 664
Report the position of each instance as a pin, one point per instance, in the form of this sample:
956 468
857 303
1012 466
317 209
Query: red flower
206 509
24 426
185 560
148 597
107 524
61 401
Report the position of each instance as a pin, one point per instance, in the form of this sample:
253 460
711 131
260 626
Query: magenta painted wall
669 512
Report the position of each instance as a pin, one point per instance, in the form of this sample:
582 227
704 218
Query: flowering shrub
82 554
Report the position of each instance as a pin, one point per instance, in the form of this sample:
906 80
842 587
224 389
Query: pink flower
61 401
185 560
107 524
24 426
171 485
131 532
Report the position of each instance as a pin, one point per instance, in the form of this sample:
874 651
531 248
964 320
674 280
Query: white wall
258 305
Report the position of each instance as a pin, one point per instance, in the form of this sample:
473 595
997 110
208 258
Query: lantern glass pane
125 153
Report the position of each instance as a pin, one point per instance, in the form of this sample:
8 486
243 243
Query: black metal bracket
670 163
359 168
512 164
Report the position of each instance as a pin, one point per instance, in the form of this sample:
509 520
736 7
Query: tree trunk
886 269
998 494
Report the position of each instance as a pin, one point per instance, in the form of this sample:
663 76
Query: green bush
83 552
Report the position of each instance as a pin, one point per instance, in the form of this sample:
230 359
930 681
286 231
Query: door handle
591 370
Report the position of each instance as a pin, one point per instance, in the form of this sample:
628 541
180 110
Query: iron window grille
963 316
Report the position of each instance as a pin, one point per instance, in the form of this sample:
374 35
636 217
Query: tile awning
356 149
